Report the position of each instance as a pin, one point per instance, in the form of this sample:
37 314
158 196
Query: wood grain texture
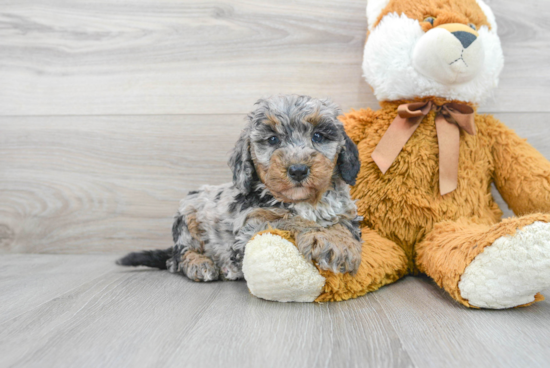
436 332
217 57
145 318
69 184
101 184
167 57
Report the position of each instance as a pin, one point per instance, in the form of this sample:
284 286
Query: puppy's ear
348 160
241 163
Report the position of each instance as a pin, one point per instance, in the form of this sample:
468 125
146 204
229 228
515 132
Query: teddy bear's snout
449 54
462 32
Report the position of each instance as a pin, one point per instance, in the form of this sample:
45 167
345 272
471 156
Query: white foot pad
275 270
510 271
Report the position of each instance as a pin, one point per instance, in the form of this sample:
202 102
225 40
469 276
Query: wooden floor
112 110
84 311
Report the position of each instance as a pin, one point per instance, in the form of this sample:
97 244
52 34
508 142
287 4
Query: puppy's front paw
198 267
332 249
230 272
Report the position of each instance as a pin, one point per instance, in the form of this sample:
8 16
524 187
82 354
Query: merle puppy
291 168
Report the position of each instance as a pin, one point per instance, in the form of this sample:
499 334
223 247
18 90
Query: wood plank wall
111 111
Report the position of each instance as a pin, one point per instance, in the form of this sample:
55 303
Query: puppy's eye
318 138
430 20
473 26
273 140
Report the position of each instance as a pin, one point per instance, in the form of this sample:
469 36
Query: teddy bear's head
442 48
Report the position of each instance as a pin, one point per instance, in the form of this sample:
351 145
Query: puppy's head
296 146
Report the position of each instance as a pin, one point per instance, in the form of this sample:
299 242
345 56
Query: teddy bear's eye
473 26
430 20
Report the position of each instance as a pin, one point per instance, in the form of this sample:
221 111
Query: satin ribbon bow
450 118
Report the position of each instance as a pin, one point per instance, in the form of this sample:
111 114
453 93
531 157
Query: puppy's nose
465 38
298 172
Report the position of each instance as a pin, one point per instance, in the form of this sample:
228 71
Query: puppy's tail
150 258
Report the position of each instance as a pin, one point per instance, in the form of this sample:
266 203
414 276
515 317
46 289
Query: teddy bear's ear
374 9
348 160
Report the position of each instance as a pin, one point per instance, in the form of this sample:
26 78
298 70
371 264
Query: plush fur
284 135
442 235
511 270
290 276
458 238
401 41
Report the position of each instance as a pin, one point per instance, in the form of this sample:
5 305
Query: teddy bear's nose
465 38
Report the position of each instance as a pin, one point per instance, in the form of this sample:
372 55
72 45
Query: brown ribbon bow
449 119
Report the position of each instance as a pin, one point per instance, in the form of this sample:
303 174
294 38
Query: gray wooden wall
112 110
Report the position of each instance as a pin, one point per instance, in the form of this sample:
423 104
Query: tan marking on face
311 189
275 178
320 177
271 120
444 11
261 170
313 118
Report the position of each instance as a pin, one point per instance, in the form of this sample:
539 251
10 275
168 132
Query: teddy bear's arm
521 173
355 123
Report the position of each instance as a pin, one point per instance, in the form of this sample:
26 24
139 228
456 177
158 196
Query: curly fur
214 223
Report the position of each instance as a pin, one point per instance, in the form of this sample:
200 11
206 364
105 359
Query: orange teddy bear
428 162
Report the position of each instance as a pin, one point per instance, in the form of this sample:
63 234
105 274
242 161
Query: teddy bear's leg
275 270
382 262
497 266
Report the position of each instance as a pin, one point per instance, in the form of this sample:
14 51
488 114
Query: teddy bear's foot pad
511 271
275 270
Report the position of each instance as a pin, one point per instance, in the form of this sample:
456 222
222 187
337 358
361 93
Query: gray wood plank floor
84 311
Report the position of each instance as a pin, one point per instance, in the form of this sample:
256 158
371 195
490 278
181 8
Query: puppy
291 168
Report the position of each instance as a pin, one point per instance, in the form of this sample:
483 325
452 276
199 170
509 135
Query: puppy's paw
236 257
198 267
232 270
231 273
333 249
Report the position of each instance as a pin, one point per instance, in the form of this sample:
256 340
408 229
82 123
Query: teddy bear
428 160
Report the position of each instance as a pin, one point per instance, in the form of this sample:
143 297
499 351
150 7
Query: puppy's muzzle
298 172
